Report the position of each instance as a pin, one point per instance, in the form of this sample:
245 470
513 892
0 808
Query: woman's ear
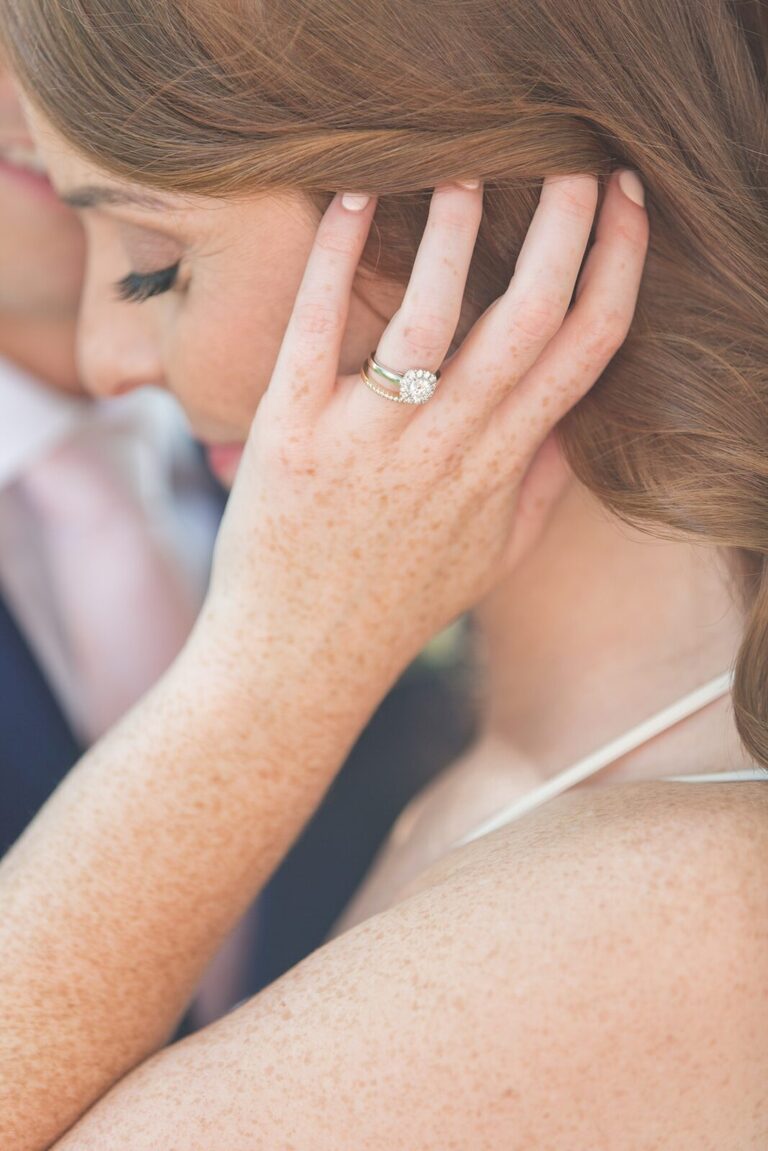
545 483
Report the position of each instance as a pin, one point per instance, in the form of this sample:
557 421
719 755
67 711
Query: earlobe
546 481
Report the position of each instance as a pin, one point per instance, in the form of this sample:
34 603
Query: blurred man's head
42 249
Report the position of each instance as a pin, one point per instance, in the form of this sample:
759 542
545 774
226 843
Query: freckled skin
446 1021
598 1006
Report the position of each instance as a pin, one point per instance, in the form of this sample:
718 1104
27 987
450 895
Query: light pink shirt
106 533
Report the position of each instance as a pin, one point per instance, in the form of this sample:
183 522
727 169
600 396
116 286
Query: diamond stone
417 385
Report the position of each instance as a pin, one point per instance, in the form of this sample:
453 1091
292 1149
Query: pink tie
124 610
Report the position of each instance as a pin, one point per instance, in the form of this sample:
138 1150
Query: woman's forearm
122 889
351 535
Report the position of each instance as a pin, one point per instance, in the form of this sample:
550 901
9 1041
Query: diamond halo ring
414 386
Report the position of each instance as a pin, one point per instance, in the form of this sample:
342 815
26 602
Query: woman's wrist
319 681
299 701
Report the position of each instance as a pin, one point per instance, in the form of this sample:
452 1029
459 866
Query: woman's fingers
306 371
369 537
592 332
511 334
420 333
525 362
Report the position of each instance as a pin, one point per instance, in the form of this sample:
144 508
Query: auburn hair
236 96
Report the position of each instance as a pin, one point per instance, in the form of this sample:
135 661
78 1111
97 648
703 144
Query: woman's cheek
213 373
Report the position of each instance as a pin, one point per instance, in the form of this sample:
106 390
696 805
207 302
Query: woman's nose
117 351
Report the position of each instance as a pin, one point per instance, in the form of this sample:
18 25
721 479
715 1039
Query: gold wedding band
414 386
394 396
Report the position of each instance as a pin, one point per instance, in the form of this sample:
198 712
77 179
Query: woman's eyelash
136 286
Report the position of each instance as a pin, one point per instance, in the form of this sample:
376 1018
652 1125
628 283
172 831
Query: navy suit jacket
37 746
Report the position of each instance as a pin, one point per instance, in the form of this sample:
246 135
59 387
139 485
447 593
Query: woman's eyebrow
94 196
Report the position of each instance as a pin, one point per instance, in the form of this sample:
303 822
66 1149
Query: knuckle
603 334
539 319
576 199
428 333
335 239
632 230
317 317
286 454
456 221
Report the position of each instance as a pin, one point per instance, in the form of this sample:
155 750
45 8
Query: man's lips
224 460
21 163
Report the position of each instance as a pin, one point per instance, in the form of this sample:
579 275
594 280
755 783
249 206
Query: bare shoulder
646 834
652 863
641 914
592 976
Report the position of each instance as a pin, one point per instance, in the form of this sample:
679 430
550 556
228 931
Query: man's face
41 240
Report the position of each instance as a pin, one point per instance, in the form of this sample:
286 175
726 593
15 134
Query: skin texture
157 842
499 1005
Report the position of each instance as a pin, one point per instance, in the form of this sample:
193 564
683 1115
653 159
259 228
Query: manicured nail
354 201
631 186
470 185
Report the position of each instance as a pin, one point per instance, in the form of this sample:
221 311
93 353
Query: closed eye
137 287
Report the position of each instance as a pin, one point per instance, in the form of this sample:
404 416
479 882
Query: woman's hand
357 528
362 526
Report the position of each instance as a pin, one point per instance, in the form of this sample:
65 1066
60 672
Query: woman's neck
599 628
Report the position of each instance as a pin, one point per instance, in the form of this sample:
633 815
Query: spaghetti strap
748 774
598 760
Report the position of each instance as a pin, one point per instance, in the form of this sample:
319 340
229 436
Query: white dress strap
747 775
608 754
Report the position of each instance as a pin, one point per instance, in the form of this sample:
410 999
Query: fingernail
354 201
470 185
631 185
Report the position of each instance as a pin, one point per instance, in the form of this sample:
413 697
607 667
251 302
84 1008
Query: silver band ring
414 386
